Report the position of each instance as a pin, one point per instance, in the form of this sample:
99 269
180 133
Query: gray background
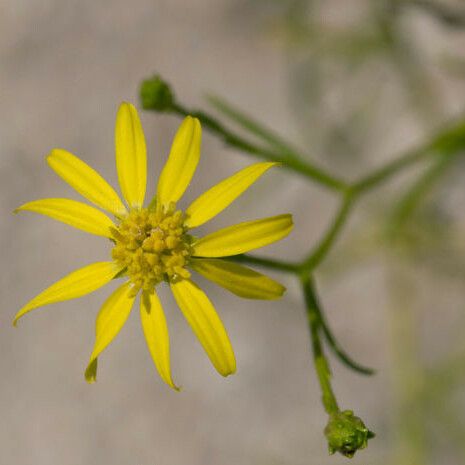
64 68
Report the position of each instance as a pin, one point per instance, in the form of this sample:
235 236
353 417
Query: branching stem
317 255
157 95
289 159
319 358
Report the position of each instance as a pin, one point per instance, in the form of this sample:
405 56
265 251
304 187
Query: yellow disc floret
152 245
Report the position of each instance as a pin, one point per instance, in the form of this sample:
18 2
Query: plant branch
345 432
252 125
319 358
448 140
417 192
334 345
270 263
156 95
381 175
316 256
289 160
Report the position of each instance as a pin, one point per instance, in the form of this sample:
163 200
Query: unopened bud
346 433
156 94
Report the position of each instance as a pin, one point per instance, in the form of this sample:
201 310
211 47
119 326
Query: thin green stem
447 141
345 432
384 173
417 192
317 255
289 160
295 269
337 349
279 265
321 363
251 125
156 95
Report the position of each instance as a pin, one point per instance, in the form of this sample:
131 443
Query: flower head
154 244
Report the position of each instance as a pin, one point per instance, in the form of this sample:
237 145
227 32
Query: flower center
152 245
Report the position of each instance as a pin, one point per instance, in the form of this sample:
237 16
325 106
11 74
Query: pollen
153 246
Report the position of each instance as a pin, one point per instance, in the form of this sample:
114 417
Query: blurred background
352 84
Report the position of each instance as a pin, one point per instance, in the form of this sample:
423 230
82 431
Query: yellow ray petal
85 180
243 237
74 213
238 279
182 162
131 155
77 284
110 320
216 199
206 324
156 334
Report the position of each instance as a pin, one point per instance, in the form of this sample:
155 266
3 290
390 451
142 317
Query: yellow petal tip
17 317
91 371
229 372
51 154
126 105
278 293
90 379
291 221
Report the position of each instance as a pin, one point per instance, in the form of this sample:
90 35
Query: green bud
156 94
346 433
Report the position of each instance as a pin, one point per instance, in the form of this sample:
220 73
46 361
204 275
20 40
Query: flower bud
156 94
346 433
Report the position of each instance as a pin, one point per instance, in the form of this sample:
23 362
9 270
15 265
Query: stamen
153 246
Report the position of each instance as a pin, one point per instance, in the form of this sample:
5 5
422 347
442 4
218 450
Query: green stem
416 193
321 364
316 256
447 141
345 432
289 160
337 349
156 95
279 265
251 125
384 173
295 269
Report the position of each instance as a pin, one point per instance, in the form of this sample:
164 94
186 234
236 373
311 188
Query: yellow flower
153 244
